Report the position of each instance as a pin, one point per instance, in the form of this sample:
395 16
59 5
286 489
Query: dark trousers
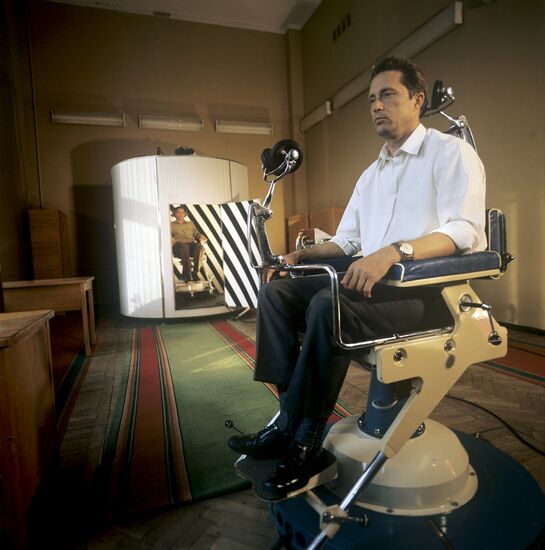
314 372
186 251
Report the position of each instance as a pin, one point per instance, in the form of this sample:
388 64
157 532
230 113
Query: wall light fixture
91 119
238 127
153 122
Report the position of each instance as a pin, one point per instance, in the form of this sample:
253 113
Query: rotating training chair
203 281
410 480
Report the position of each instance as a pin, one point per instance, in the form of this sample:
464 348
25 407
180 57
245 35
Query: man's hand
363 274
292 258
314 253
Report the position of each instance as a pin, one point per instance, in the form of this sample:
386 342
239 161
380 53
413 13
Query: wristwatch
406 250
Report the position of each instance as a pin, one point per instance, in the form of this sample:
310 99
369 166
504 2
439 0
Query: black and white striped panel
207 220
241 279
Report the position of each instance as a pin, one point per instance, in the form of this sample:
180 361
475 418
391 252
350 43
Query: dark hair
412 76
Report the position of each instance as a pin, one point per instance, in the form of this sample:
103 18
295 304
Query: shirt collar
410 146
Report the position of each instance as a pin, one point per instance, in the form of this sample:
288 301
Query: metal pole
369 473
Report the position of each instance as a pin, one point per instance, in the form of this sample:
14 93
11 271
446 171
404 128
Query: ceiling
262 15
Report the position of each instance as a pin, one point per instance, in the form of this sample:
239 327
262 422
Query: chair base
430 475
193 287
507 511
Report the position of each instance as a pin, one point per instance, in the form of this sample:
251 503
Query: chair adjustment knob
493 337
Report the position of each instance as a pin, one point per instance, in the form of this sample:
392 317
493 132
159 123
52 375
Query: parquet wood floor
239 521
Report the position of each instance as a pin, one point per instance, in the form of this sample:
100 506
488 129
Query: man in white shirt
422 198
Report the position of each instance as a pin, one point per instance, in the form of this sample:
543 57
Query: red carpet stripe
523 361
534 347
147 482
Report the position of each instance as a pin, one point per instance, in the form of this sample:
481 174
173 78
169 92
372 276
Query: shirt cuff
346 245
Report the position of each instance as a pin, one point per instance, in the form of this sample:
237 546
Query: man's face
180 213
395 114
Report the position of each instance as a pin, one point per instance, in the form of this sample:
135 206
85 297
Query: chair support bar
366 477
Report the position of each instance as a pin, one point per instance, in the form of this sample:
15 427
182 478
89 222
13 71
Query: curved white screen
144 190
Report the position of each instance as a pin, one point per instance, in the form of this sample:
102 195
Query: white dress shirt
433 183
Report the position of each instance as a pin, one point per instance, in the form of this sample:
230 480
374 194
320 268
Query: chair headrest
275 157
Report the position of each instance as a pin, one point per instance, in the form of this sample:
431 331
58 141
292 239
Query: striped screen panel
241 279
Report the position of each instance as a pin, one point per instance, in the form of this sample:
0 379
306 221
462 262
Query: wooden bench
68 294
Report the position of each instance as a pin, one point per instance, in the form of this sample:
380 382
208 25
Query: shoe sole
258 471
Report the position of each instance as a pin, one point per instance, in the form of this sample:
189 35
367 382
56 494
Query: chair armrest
444 269
439 270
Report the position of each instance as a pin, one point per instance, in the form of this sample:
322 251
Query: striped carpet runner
167 438
149 469
166 442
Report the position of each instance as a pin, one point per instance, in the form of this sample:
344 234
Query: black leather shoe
270 442
296 469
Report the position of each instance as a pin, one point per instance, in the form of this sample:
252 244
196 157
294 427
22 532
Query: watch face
406 248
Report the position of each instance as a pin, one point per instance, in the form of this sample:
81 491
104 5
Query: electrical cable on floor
506 424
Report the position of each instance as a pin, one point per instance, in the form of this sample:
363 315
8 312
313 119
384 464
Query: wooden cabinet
49 240
326 219
27 418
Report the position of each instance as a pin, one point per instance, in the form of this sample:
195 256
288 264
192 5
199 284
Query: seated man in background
186 244
423 197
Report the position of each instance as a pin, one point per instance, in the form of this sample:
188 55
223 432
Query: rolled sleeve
464 235
461 188
347 246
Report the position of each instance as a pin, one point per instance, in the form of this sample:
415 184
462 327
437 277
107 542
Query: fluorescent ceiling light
425 36
153 122
315 116
91 119
236 127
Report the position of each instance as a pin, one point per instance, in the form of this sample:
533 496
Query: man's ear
420 98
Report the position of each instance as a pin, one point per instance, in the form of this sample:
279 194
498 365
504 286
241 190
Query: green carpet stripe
114 463
211 385
245 356
178 484
69 388
225 331
169 466
133 406
120 401
523 375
